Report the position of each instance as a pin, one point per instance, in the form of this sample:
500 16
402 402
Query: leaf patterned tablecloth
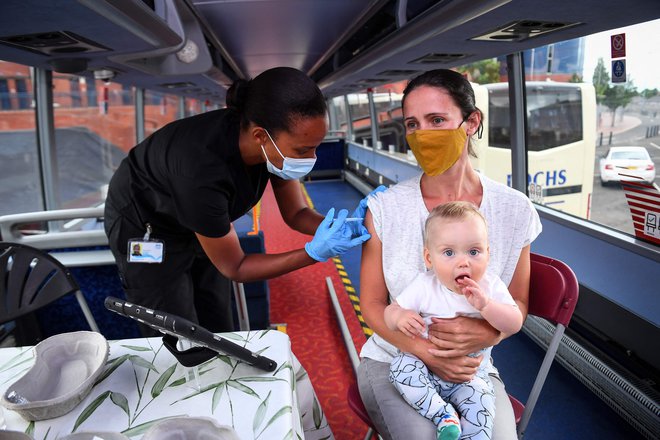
143 384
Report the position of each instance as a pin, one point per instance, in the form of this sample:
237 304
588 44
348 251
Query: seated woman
440 116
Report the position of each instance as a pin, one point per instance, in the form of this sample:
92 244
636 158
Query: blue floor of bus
566 408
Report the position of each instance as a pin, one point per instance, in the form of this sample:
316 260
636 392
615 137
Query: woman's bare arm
519 286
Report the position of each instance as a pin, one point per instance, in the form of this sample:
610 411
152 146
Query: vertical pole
182 107
374 119
332 114
349 120
47 149
139 115
517 121
105 99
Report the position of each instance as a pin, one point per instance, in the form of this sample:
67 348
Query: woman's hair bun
237 94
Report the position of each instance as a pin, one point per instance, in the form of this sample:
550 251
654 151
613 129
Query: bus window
560 122
391 132
387 100
560 142
571 129
159 109
627 114
94 128
338 104
561 145
360 117
554 116
19 160
194 106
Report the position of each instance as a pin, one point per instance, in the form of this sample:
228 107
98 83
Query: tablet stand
189 356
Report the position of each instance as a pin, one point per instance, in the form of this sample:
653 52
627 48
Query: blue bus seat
99 281
257 294
96 283
30 279
329 160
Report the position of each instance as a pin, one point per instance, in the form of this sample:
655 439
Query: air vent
521 30
177 85
408 73
69 65
53 43
372 81
439 58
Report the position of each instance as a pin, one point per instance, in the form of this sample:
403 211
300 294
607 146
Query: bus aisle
300 300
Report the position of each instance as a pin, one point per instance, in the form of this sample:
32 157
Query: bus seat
553 295
86 254
97 283
84 251
329 160
29 280
257 293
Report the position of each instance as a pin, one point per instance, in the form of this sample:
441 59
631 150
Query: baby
456 252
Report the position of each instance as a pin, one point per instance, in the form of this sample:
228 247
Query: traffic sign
618 45
618 71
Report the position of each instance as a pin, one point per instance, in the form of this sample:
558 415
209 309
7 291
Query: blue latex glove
357 227
333 237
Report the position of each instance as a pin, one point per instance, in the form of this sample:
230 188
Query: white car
626 163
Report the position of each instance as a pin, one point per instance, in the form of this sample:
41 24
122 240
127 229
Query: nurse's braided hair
276 98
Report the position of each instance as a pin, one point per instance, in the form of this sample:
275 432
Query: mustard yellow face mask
437 150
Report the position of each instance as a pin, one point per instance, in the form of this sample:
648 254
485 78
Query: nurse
177 193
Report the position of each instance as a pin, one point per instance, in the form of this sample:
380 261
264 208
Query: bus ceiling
198 48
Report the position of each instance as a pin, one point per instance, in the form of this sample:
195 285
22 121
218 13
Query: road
608 205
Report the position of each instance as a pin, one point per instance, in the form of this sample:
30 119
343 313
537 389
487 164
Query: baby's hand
410 324
473 293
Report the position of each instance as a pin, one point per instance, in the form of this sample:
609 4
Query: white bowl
64 371
190 428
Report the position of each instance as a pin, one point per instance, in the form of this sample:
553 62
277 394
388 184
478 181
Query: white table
143 383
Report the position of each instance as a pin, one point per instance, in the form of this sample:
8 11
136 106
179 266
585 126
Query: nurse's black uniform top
188 177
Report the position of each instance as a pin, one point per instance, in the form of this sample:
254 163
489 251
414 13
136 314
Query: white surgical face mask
291 168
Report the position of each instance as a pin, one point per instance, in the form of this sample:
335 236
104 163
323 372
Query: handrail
53 240
353 355
57 240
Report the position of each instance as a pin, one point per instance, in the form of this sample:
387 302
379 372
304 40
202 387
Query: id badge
145 249
140 251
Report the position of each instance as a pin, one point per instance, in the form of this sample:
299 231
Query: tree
649 93
619 96
482 72
575 78
601 80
